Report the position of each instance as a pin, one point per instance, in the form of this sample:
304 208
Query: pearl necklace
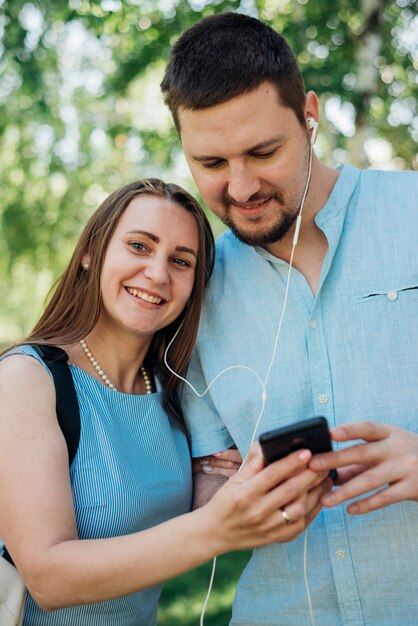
106 379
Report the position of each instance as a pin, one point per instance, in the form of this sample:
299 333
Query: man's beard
285 220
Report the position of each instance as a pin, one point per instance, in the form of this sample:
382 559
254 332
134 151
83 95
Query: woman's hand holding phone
312 434
247 511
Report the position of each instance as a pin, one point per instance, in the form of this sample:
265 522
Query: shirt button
323 398
392 295
313 324
340 554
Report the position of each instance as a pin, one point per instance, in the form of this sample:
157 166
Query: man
339 339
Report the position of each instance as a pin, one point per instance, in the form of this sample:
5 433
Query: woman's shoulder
27 393
21 349
22 365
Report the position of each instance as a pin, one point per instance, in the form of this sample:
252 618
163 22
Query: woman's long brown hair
74 303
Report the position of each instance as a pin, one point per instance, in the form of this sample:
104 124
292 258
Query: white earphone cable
209 591
305 577
263 384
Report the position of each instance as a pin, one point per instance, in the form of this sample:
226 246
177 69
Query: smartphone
312 434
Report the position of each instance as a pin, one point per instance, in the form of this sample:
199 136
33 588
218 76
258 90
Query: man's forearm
205 486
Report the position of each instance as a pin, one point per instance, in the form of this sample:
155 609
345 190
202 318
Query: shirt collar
330 219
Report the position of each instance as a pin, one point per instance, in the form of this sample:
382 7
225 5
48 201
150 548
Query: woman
94 543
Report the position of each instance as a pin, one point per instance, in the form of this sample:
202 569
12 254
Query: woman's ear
85 260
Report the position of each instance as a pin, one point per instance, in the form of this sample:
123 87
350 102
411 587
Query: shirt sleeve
208 433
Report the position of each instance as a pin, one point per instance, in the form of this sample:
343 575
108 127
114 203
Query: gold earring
86 266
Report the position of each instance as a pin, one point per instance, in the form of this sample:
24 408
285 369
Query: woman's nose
157 271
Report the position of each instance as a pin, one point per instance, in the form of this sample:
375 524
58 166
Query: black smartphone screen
312 434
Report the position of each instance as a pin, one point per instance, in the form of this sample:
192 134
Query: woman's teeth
143 296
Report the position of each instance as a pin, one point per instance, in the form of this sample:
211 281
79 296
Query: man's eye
264 155
211 165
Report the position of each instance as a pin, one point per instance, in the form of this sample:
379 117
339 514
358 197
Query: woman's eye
136 245
181 262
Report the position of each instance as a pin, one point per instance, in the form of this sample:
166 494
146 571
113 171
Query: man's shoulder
392 195
393 182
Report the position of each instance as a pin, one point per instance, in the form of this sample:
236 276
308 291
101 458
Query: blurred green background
81 112
182 599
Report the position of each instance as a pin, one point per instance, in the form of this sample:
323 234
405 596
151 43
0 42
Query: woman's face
149 267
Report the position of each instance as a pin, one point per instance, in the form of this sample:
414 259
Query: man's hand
225 463
387 461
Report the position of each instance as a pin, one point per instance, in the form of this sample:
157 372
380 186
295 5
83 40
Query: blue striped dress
132 471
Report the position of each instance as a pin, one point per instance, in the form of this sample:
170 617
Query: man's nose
242 183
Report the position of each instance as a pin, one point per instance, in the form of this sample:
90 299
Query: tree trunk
369 44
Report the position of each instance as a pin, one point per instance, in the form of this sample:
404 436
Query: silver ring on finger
285 516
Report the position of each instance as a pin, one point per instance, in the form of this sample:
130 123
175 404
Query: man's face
248 157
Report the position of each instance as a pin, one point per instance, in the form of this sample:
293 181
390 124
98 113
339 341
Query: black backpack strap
68 412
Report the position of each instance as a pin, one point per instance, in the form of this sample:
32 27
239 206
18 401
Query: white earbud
312 124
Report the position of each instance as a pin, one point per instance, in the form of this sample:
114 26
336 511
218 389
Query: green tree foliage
81 113
360 56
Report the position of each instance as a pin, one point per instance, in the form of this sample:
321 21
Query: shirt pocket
405 293
380 351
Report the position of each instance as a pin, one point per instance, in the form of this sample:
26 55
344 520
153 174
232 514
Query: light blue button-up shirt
349 354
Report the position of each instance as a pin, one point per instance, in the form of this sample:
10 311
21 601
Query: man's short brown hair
226 55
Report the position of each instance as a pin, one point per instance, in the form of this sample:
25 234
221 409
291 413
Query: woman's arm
37 519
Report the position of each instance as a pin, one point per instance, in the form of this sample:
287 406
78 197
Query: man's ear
312 106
